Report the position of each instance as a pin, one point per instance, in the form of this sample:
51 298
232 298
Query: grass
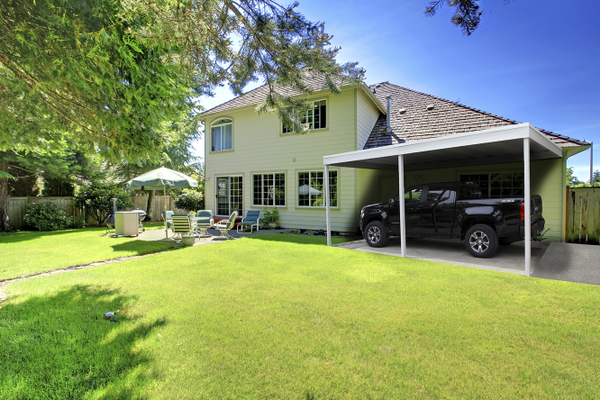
26 253
299 239
251 319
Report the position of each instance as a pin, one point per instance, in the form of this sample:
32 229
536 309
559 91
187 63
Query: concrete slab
570 262
509 259
154 235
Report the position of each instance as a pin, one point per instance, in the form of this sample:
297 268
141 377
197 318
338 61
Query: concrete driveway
559 261
570 262
507 259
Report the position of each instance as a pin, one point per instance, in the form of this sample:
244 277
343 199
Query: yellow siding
546 180
259 147
366 116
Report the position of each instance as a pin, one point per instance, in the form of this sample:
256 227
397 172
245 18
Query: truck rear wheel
481 241
375 234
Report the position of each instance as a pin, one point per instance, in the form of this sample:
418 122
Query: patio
153 235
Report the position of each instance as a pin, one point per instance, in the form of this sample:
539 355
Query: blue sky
531 61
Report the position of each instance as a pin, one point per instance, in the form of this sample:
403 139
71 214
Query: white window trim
326 100
213 125
284 188
300 171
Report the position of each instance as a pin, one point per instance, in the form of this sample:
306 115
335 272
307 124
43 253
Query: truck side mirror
391 201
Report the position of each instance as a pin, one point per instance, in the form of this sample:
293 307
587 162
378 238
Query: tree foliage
572 180
190 200
467 13
118 76
97 200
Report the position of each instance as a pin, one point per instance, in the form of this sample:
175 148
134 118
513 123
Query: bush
75 222
45 216
97 201
270 215
190 200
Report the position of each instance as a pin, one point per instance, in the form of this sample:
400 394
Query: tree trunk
5 225
150 207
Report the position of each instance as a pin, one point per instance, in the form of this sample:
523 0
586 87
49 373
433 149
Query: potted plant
189 238
270 218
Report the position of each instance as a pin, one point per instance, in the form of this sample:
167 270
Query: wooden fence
583 215
17 207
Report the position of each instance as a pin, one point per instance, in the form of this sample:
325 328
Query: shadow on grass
61 346
142 247
22 236
298 239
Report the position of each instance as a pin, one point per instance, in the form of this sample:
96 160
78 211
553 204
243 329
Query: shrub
45 216
190 200
98 203
76 222
270 215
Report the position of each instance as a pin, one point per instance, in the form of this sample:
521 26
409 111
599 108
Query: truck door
441 199
435 214
412 199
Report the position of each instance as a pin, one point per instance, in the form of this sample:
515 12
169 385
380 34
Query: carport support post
402 218
527 200
327 208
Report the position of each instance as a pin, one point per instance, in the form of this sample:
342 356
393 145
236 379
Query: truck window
413 195
438 193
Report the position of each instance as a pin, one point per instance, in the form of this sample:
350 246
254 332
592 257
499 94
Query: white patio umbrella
161 178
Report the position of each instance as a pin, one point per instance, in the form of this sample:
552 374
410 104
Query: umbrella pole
165 214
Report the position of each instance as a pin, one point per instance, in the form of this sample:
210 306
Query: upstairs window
315 116
222 135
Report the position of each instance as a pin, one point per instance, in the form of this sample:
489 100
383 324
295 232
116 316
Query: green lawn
250 319
26 253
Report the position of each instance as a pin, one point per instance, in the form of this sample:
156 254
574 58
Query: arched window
222 135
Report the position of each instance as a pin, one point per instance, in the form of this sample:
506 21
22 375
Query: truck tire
481 241
375 234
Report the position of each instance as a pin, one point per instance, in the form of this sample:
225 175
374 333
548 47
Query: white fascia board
370 94
361 155
487 136
540 138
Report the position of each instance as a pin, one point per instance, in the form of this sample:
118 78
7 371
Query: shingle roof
412 118
314 81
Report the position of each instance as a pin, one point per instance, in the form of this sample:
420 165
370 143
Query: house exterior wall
366 116
260 147
547 180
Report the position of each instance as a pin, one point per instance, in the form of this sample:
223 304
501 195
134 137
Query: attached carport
512 143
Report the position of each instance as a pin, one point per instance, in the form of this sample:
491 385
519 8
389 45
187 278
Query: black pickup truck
452 210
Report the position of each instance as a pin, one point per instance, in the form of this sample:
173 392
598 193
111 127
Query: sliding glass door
229 195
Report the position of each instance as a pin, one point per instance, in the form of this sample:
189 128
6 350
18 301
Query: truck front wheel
481 241
375 234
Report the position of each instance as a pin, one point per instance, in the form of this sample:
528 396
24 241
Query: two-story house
253 161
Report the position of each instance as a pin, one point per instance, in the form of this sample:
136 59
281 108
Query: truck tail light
522 211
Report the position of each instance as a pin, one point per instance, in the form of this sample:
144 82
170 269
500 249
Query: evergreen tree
572 180
117 78
467 13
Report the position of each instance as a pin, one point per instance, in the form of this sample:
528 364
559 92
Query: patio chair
204 221
167 218
252 220
226 225
181 224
